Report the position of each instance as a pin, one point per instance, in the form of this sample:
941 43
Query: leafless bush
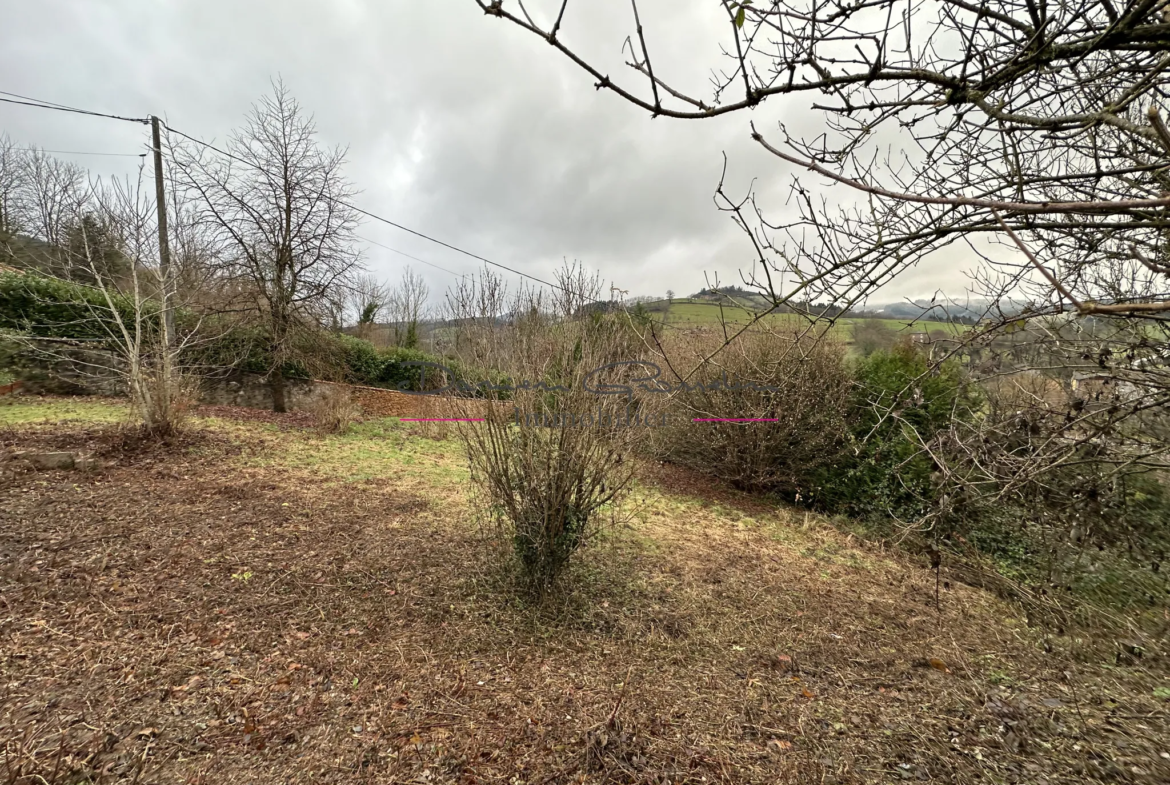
872 335
551 457
334 410
797 381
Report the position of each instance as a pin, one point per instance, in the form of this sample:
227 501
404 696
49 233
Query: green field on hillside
695 313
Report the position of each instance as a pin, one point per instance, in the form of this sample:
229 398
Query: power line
408 256
78 152
30 98
448 245
387 221
42 104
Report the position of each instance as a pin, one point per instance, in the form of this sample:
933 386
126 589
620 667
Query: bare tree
576 289
113 323
1011 115
405 307
277 203
473 307
367 301
1022 124
11 180
47 204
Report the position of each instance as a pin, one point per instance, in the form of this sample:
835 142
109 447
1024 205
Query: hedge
48 307
37 305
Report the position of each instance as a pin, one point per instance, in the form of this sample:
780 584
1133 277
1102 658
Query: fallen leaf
938 665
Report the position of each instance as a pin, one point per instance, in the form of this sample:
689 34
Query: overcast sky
458 125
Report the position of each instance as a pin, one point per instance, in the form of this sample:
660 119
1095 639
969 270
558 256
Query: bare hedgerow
798 382
552 458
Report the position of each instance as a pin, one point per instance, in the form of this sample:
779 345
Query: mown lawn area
257 603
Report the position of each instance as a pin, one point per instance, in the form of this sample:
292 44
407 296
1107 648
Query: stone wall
88 372
59 369
252 391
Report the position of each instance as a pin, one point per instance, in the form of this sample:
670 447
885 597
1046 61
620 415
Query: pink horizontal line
440 419
736 419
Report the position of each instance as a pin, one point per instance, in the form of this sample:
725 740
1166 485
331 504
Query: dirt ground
256 603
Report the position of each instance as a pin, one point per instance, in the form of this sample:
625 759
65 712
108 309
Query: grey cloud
458 125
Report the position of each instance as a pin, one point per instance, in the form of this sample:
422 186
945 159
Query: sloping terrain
260 604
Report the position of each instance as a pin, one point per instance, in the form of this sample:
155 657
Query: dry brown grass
333 409
189 616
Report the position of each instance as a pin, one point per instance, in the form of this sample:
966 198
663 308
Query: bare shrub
163 400
553 460
334 410
797 381
873 335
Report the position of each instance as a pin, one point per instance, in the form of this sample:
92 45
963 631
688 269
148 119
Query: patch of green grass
693 313
18 410
369 450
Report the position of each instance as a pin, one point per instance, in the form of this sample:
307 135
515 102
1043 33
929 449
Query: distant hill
939 310
732 295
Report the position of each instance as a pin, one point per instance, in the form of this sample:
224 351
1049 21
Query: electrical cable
377 217
41 104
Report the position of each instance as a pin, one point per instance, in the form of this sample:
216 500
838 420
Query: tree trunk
276 383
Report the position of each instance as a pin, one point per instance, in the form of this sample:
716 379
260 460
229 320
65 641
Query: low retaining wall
70 370
82 372
252 391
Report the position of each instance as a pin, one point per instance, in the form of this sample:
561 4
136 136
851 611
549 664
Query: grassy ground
694 313
257 603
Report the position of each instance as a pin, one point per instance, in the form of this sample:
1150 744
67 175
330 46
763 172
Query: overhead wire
381 219
408 256
79 152
42 104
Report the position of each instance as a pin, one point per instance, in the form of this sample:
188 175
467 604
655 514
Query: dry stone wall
252 391
83 372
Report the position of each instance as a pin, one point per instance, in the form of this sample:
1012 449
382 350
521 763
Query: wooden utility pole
164 250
